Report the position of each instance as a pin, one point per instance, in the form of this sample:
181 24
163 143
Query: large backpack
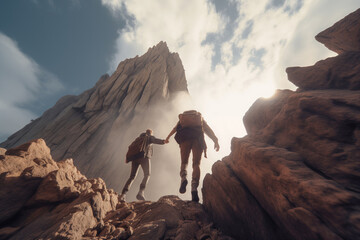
190 118
137 148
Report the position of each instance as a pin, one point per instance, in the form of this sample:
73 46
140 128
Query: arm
171 133
208 131
156 140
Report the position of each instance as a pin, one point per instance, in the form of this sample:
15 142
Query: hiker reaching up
190 137
139 153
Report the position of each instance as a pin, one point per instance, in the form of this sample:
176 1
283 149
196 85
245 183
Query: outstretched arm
208 131
170 134
156 140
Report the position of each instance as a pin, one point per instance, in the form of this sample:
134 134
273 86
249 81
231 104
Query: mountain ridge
101 122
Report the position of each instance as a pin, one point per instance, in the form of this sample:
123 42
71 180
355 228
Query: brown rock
343 36
2 151
151 230
321 126
21 171
42 199
120 233
254 121
340 72
90 233
187 230
6 232
297 175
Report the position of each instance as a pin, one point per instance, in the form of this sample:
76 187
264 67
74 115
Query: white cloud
22 81
269 39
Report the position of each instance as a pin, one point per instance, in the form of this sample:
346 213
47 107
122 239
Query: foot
140 195
183 186
194 196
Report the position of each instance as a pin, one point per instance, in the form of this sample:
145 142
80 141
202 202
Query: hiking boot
140 195
194 196
183 186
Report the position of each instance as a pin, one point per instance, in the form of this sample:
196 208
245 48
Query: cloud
233 51
22 82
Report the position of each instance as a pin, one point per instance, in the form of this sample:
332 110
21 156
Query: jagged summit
100 122
161 48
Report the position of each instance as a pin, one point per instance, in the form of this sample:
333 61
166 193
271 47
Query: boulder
44 199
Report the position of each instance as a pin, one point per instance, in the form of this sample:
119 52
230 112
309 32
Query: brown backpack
190 118
137 148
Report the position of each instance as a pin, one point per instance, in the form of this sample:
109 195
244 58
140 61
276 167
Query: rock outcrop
96 127
44 199
296 175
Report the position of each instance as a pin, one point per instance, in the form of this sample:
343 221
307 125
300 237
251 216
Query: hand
217 146
166 141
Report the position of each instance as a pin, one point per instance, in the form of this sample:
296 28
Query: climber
190 137
139 153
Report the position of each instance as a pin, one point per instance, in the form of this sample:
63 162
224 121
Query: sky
233 51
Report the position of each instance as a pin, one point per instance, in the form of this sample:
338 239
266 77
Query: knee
196 164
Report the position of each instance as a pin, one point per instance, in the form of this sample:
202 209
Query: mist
165 162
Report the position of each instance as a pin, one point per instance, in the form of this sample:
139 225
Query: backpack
190 118
137 148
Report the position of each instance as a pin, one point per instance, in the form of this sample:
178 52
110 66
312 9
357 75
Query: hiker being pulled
190 137
139 153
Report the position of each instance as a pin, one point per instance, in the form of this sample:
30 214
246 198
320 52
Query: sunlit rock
296 175
61 203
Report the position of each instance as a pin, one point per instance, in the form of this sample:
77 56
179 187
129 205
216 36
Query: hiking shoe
183 186
194 196
140 195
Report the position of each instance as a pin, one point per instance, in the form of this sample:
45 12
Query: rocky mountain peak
159 49
101 122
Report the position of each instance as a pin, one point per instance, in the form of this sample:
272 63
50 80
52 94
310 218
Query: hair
149 131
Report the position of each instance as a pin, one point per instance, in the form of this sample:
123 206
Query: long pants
145 165
185 148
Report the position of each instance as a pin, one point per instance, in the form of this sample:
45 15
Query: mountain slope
96 127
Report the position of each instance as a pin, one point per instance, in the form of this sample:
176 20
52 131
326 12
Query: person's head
149 132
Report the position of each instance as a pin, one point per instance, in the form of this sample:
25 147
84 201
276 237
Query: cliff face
44 199
296 175
96 127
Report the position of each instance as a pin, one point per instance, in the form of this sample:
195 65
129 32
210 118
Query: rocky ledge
44 199
296 175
